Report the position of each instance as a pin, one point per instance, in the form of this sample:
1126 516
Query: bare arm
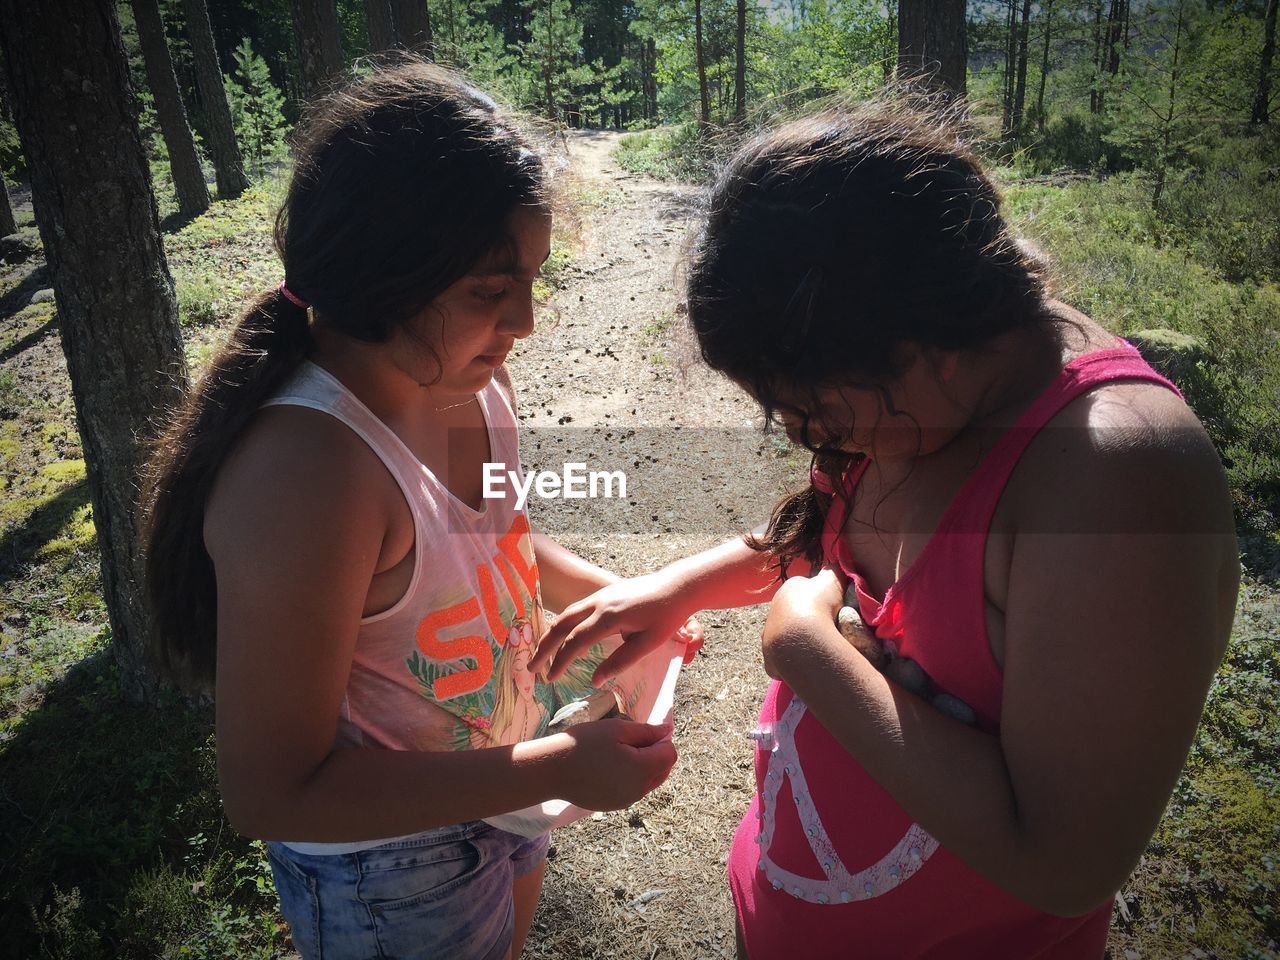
566 577
647 610
1112 636
294 528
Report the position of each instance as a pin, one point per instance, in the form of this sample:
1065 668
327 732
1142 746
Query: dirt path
698 471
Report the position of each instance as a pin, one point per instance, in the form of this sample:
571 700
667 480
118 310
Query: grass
666 153
1113 260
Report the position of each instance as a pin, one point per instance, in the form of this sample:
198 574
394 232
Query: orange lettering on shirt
513 589
477 648
489 603
509 548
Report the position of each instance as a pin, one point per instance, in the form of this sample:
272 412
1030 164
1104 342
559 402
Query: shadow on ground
19 546
108 807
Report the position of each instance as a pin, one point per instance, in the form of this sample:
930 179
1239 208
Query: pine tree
256 108
220 132
184 161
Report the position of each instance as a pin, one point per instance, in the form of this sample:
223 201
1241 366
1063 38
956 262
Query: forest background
1134 141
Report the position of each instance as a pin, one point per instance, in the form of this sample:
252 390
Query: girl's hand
613 763
802 615
646 611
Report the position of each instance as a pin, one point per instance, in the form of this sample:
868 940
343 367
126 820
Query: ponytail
403 181
795 528
267 344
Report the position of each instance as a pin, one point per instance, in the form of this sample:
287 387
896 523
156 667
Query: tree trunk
413 26
1095 92
548 63
1044 62
1166 135
1117 30
931 43
315 26
740 66
1262 99
220 132
704 98
651 45
1020 89
184 162
1010 67
7 224
382 29
116 308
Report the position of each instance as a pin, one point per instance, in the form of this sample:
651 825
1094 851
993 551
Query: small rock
41 296
907 674
864 641
954 707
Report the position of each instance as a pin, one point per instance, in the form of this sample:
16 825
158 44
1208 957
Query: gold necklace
454 406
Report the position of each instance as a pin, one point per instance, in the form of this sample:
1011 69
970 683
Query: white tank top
445 668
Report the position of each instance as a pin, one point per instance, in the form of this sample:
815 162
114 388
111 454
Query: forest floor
649 882
112 841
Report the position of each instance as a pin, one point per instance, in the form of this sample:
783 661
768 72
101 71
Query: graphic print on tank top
472 653
839 884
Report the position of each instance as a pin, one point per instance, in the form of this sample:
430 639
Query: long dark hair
832 242
403 181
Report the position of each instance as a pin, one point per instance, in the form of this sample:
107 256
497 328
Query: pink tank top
445 668
825 863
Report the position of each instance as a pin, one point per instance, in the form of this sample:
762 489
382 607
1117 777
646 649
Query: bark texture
7 224
220 132
184 161
382 29
704 98
76 116
740 65
931 43
315 26
413 26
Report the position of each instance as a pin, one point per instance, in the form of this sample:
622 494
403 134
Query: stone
907 674
859 634
954 707
600 705
41 296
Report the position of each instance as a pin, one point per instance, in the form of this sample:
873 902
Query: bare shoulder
1130 490
296 474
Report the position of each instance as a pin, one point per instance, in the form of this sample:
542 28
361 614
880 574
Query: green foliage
1120 262
256 110
668 153
1211 876
12 162
118 845
1077 140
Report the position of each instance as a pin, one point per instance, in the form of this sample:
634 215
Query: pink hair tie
292 297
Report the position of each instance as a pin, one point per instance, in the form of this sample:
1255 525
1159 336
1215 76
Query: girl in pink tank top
1020 556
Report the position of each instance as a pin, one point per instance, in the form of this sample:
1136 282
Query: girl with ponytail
320 555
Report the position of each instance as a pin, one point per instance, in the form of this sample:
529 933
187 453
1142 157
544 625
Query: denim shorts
440 893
